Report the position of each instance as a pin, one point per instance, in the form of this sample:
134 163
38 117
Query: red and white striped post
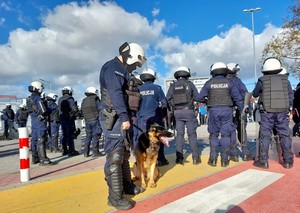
24 154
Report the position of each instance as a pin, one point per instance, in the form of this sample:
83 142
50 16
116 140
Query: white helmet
91 90
52 96
148 74
284 71
233 68
218 68
136 54
8 105
271 65
22 106
36 87
67 90
182 72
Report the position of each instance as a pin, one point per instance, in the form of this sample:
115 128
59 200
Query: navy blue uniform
54 125
8 116
113 80
91 107
68 109
21 117
220 117
274 120
38 112
153 101
241 87
185 117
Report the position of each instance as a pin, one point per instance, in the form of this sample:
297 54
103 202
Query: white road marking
223 195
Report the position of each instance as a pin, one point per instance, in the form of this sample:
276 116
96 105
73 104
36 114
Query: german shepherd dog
146 153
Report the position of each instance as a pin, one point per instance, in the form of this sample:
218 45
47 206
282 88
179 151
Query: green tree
286 44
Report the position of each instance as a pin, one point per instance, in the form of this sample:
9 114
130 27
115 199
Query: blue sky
67 42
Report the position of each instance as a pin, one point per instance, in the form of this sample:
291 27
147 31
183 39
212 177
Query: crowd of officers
130 104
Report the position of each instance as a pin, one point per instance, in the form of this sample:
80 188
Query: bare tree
286 44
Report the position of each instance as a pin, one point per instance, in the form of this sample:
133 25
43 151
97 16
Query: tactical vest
219 93
31 106
182 94
274 97
89 108
23 115
64 107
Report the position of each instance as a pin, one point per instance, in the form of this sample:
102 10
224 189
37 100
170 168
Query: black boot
212 161
179 158
44 160
55 145
129 187
224 162
196 160
86 151
35 157
115 191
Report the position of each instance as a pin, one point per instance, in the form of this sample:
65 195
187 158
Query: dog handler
115 119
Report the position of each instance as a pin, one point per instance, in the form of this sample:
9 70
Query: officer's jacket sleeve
203 95
236 96
162 98
195 93
257 90
99 104
169 95
114 83
242 87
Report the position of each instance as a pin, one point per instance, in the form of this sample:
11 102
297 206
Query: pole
24 154
254 52
253 38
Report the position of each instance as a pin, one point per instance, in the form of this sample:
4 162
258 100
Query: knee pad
116 156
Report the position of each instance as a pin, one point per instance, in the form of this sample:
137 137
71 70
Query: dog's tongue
165 140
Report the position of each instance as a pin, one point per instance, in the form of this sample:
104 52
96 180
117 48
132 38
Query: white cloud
2 20
76 40
155 12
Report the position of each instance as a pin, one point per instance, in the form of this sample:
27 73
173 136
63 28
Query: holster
111 118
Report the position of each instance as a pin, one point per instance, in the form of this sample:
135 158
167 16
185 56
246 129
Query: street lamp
46 82
252 10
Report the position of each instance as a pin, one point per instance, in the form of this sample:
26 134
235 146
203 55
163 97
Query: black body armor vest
219 93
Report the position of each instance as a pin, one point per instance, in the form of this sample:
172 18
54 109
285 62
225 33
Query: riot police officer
273 91
38 111
22 116
54 122
90 108
115 119
153 103
9 116
181 96
221 96
68 111
233 70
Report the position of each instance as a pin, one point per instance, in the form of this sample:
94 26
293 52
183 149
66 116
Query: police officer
221 96
153 103
9 117
115 119
54 122
233 70
21 116
68 111
181 96
38 111
273 91
90 108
